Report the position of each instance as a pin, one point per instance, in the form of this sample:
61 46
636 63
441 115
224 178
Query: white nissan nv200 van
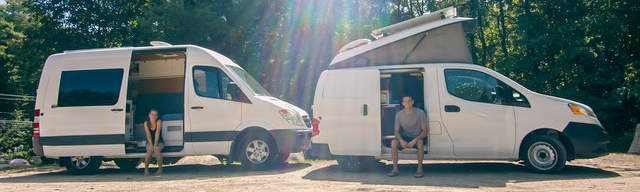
473 112
91 105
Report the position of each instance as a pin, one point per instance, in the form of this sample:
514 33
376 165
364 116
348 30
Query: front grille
307 121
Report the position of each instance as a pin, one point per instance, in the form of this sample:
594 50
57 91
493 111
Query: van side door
349 111
87 99
474 114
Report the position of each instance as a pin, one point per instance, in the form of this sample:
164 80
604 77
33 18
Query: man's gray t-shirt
410 125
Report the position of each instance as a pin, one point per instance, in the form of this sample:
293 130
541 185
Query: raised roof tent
437 37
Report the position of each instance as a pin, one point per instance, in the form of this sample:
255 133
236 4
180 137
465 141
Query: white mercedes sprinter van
473 112
91 105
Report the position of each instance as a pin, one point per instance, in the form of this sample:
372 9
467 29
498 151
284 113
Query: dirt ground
615 172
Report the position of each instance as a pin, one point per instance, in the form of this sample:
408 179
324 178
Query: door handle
365 111
197 107
117 109
451 108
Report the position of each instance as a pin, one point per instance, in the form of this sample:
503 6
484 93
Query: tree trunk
503 30
481 35
472 37
635 145
527 12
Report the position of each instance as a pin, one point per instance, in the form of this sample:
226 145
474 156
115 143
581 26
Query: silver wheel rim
257 151
542 155
80 162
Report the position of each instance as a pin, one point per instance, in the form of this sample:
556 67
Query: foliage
586 51
16 142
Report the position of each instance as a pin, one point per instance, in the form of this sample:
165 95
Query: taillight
315 124
36 123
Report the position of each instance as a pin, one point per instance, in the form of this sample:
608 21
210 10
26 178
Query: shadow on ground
171 172
469 175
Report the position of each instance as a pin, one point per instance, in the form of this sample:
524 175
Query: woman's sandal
418 175
393 174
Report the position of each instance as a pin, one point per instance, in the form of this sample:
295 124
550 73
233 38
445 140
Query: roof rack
445 13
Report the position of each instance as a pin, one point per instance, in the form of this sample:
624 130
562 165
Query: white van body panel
487 129
78 124
439 142
264 108
203 111
350 111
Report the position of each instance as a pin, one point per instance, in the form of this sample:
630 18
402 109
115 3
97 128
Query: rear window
90 87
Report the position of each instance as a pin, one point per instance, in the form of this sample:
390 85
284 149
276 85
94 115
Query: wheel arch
566 142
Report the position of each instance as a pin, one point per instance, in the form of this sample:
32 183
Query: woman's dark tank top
153 134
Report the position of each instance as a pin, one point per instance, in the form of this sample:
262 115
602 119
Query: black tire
282 158
128 164
257 151
82 165
356 163
545 154
307 155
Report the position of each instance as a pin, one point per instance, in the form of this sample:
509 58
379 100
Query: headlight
578 110
291 116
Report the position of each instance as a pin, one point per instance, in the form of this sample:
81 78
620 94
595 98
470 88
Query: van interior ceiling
156 81
395 84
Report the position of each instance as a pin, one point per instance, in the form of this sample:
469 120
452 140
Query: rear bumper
588 140
37 147
292 140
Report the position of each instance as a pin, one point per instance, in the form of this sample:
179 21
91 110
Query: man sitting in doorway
411 132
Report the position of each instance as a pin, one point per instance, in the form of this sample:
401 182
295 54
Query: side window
471 85
90 87
480 87
211 82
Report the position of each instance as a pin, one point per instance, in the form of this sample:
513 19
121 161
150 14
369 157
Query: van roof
221 58
432 38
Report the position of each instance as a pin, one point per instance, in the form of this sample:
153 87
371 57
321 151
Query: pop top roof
436 37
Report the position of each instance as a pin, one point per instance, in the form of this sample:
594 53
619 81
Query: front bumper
292 140
588 140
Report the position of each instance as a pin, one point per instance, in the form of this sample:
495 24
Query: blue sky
2 2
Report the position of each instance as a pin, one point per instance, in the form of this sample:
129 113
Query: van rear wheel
545 155
356 163
257 151
82 165
128 164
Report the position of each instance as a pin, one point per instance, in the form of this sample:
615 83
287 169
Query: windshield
249 81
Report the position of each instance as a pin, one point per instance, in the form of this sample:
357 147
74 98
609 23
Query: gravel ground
615 172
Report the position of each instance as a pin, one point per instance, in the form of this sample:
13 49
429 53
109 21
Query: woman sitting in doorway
153 128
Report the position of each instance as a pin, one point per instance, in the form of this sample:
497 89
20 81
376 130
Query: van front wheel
257 151
82 165
545 155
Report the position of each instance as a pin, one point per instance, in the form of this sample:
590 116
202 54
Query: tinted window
480 87
211 82
90 87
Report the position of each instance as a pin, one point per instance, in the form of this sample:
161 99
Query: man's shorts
409 139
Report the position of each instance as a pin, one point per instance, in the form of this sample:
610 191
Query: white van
91 105
473 112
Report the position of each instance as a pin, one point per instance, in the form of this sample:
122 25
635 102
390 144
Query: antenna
159 43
